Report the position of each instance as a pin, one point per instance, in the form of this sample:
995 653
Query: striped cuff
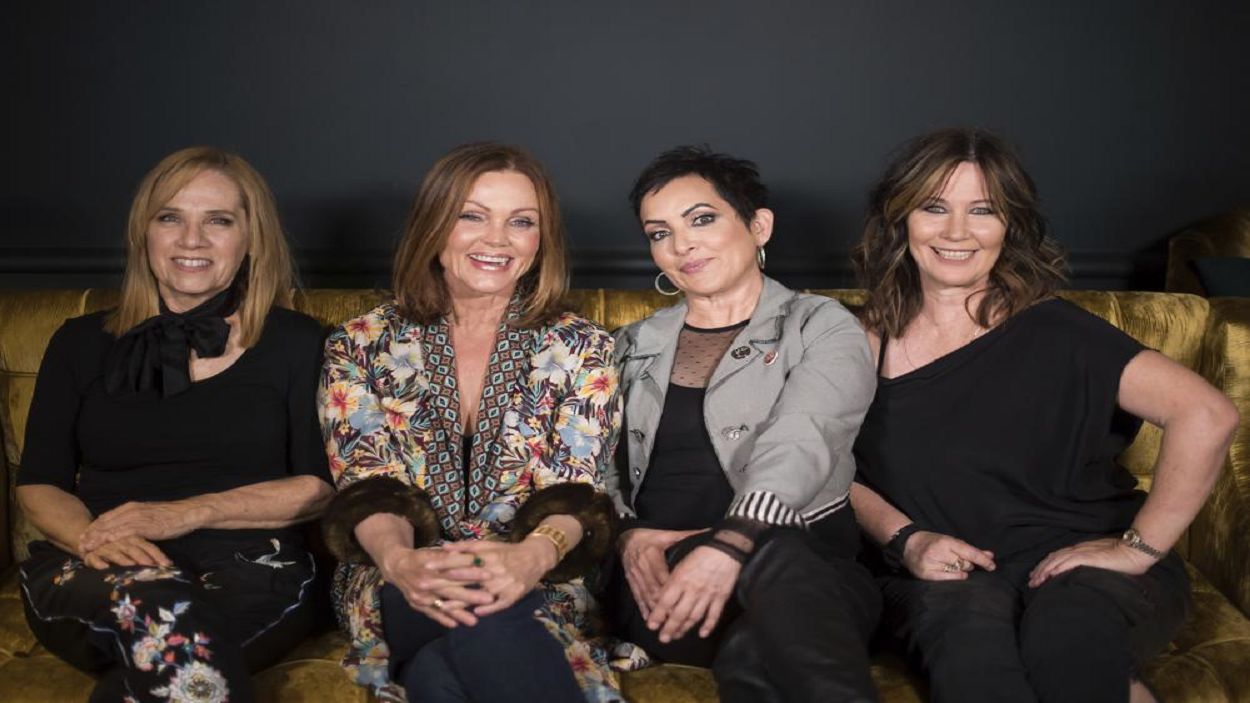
824 511
765 507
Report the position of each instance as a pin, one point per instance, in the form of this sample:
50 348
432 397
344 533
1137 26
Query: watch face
1135 541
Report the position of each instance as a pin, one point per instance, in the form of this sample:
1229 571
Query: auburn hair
417 278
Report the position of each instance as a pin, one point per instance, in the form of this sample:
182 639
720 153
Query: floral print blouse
549 413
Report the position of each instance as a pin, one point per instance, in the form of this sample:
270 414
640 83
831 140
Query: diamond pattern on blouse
506 370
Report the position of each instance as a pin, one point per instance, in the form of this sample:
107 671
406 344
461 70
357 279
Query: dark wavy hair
735 180
1030 267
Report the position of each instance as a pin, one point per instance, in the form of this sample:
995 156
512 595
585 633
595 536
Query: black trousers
507 657
1079 637
797 628
192 631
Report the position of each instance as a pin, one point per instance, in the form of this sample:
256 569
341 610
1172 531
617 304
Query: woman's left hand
697 589
1107 553
507 571
151 521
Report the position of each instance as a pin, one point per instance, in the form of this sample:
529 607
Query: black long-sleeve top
255 421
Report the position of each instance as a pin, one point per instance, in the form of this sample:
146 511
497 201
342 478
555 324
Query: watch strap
1133 539
893 549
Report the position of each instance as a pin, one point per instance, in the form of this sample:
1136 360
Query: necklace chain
977 331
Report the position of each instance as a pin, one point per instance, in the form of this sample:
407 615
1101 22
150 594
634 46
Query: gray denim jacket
782 408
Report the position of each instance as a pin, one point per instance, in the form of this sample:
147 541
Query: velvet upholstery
1223 236
1208 661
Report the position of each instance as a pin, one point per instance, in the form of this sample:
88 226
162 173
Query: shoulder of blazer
573 329
375 331
819 313
643 337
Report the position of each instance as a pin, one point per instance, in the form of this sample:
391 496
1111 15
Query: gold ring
437 603
950 568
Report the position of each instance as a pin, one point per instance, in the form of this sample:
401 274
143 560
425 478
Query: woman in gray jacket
741 406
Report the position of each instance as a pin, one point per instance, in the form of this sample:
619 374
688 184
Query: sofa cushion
1224 276
28 672
1206 663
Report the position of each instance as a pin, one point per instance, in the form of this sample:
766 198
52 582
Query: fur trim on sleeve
368 497
592 509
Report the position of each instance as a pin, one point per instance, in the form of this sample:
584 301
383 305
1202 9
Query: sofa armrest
1183 248
1225 235
1219 539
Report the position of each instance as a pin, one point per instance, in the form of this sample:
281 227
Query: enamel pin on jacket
782 408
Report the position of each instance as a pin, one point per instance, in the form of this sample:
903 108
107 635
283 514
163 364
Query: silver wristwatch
1134 540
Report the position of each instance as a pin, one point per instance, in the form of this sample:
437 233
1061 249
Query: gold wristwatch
1134 540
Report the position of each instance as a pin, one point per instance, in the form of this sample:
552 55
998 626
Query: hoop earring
661 290
760 257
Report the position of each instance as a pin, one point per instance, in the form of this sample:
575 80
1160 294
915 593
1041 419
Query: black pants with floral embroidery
190 632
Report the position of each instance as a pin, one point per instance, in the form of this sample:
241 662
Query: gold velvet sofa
1208 662
1225 235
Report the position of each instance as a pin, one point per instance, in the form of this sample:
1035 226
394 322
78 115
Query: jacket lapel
505 376
444 483
759 337
646 368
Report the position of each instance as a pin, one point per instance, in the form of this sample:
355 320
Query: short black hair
735 180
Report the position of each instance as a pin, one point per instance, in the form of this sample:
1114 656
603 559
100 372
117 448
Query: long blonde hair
270 273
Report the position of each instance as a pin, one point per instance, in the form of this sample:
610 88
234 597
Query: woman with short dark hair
1026 564
467 423
741 404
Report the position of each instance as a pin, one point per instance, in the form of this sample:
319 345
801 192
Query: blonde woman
171 447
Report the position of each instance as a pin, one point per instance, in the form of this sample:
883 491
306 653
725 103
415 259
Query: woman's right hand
937 557
418 574
642 554
125 551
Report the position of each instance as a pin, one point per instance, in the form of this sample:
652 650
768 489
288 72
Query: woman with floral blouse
467 423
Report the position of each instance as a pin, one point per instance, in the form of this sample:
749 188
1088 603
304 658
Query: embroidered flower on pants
196 682
125 612
147 653
68 569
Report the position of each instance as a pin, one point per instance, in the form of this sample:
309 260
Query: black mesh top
685 487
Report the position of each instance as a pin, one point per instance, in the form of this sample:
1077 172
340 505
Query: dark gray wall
1133 116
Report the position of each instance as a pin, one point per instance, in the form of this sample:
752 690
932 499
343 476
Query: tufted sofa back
1171 323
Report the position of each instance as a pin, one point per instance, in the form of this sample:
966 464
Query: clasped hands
459 582
695 590
937 557
124 536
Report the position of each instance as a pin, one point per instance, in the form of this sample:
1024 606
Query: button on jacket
782 408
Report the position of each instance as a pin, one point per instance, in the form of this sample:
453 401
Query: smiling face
956 237
495 238
197 240
698 240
